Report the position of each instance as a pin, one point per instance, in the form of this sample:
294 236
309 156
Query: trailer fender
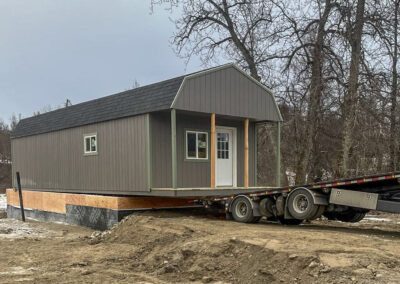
254 205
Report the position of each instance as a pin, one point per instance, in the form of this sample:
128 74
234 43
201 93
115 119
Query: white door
225 157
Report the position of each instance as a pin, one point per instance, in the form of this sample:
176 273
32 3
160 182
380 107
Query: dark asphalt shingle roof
154 97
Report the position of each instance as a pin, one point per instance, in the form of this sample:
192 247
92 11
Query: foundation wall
93 211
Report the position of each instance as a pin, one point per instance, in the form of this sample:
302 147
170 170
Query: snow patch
12 229
377 219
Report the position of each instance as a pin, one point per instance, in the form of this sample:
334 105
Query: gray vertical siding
226 91
192 173
55 160
161 149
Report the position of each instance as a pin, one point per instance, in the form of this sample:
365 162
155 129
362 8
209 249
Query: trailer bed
346 200
375 183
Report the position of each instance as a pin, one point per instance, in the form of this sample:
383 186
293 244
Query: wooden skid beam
56 202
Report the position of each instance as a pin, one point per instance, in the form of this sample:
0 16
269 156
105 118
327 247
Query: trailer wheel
350 216
266 207
318 213
242 210
358 217
301 204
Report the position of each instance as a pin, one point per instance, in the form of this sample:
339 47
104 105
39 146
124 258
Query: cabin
193 135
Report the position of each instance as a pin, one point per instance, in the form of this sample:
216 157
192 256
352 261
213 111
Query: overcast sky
51 50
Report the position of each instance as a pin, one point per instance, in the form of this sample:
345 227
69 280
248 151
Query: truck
346 200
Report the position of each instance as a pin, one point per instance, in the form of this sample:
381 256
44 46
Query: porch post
278 154
173 149
246 152
213 150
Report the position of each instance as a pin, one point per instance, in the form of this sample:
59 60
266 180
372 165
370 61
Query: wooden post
213 161
21 202
246 152
278 154
173 149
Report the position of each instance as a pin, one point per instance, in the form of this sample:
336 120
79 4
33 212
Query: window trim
90 153
196 159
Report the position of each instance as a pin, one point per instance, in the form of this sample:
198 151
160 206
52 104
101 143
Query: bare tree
5 157
325 63
392 46
350 99
310 35
243 31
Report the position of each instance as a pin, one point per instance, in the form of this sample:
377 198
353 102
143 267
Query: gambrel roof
185 92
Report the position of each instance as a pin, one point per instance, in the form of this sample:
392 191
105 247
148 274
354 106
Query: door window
222 145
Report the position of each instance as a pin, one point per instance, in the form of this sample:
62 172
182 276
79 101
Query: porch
228 153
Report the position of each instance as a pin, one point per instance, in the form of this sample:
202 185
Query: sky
51 50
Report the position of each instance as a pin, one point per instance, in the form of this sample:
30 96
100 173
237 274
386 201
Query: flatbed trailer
346 200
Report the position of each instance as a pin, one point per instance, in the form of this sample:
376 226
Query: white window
196 145
90 144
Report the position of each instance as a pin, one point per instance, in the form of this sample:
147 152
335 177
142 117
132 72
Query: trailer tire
301 204
358 217
350 216
266 207
242 211
318 213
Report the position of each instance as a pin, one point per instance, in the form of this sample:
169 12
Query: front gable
227 90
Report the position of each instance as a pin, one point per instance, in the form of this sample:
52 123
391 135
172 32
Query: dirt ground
191 247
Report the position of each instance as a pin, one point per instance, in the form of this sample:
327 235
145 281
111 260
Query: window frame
90 136
196 159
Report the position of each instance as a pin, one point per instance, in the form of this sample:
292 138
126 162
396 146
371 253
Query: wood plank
99 201
45 201
246 153
213 150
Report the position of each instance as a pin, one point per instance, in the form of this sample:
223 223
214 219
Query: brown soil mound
176 252
188 247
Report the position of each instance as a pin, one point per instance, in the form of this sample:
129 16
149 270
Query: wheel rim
300 203
241 209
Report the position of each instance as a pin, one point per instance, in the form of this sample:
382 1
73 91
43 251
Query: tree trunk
314 102
393 96
350 98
